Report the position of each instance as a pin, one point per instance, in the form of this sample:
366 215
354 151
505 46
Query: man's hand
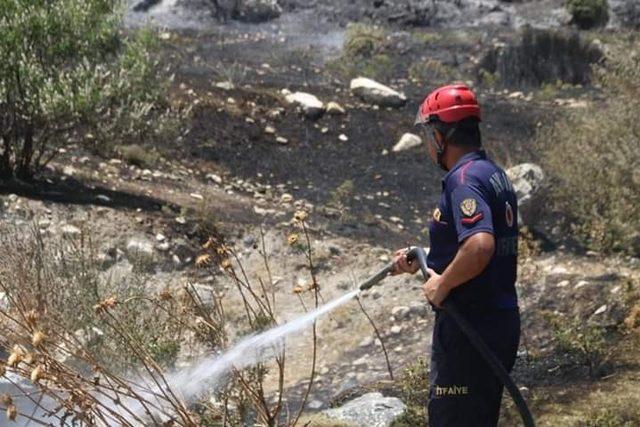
434 289
401 265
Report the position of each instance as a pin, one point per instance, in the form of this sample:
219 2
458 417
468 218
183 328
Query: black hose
486 353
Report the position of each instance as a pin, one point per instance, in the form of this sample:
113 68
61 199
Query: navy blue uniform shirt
477 197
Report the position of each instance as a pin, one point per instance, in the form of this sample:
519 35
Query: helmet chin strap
441 148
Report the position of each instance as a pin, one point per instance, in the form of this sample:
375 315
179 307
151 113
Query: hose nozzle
413 253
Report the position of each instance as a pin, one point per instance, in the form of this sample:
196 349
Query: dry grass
96 345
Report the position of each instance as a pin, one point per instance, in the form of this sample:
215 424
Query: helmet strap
441 148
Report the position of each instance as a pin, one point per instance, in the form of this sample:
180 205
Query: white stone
527 179
375 93
343 137
335 109
309 104
69 230
139 246
368 410
401 312
600 310
225 85
215 178
406 142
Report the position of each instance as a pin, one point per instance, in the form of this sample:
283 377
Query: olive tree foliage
68 75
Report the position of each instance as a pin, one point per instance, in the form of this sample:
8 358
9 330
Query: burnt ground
314 162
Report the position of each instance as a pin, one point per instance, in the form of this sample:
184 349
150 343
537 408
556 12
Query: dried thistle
298 289
203 260
300 216
226 263
209 243
165 295
38 338
312 286
12 412
32 318
106 305
16 356
292 239
6 399
29 358
37 374
222 250
3 369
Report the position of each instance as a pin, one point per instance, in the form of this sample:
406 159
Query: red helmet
449 104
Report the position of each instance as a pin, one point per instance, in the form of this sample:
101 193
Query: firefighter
472 260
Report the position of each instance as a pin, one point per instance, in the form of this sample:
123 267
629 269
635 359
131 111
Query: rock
418 309
227 85
215 178
282 140
205 293
368 410
395 330
4 301
401 312
309 104
103 199
342 137
69 230
139 247
600 310
407 141
375 93
257 10
335 109
527 180
270 130
163 247
366 342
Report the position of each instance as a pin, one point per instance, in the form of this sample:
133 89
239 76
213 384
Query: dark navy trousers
463 389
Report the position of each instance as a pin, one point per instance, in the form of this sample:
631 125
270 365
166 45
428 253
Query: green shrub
593 155
430 70
415 394
68 75
363 41
585 343
588 13
364 53
138 155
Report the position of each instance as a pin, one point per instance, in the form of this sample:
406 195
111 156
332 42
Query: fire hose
419 254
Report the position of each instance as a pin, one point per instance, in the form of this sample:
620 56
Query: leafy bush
541 56
67 75
430 70
588 13
364 53
415 394
592 155
585 343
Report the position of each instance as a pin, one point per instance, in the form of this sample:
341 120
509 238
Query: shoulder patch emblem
437 214
508 214
468 207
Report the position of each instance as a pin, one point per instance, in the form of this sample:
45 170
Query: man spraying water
472 263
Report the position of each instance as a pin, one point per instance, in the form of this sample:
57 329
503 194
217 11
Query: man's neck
453 155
